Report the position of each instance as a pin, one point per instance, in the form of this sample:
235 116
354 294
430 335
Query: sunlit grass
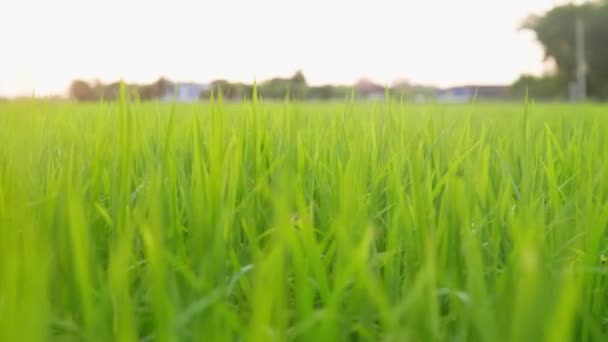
311 222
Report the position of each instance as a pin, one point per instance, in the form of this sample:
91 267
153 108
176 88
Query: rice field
344 221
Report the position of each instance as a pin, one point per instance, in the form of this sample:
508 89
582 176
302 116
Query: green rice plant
288 221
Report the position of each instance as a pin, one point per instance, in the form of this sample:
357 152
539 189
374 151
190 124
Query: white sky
44 44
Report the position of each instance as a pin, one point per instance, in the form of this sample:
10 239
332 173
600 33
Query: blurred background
422 50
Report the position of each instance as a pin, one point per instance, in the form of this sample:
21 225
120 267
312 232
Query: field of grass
309 222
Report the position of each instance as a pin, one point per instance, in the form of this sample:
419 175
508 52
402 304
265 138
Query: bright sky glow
45 44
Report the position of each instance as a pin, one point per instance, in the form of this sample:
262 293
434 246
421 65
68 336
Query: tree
298 79
555 31
227 89
298 88
548 87
82 91
280 88
324 92
155 90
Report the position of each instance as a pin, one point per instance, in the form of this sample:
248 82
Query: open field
323 222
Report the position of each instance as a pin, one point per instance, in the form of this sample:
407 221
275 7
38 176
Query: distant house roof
367 86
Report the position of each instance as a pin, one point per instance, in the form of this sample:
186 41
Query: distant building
369 90
185 92
468 93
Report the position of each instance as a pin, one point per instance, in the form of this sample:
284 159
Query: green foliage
329 92
155 90
539 88
260 221
278 88
230 91
85 92
555 31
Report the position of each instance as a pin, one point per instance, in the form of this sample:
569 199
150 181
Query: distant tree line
84 91
556 32
292 88
297 88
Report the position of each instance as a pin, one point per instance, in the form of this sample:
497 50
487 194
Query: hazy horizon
432 42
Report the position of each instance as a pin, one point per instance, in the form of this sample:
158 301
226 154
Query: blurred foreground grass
325 222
